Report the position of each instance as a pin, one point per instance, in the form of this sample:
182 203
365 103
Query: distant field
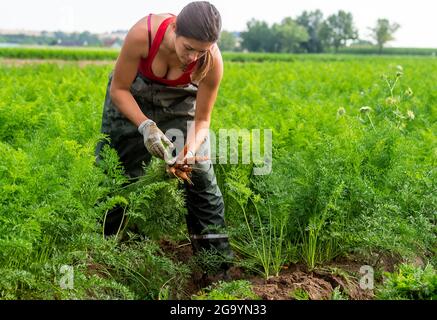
59 53
111 54
392 51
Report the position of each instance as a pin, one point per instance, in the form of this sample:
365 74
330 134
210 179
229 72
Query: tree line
54 38
309 32
59 38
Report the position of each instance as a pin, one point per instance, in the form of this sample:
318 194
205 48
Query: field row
111 54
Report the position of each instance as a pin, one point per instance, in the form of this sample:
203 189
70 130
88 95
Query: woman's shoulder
138 35
216 53
217 59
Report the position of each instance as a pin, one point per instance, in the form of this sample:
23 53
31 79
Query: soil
319 284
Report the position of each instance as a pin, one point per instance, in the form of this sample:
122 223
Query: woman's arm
134 47
206 97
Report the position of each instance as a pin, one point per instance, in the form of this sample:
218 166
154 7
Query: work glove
155 140
181 159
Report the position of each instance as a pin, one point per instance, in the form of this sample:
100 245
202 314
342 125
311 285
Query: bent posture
167 75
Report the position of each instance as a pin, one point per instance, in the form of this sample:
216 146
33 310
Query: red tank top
145 66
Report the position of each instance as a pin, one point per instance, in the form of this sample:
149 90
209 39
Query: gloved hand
155 140
182 159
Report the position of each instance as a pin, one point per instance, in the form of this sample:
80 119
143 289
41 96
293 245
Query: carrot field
353 183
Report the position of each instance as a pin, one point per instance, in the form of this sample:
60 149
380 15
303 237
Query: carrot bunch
183 170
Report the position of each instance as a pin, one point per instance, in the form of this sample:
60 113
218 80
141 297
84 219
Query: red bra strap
159 36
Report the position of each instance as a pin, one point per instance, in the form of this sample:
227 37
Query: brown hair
201 21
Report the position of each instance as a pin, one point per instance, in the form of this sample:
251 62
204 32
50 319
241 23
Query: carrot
184 176
183 170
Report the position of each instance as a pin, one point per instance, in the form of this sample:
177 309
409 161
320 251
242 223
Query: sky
417 18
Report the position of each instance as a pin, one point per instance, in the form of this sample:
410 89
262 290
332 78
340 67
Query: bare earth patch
319 284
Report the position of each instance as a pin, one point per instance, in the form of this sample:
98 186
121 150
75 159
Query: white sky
417 18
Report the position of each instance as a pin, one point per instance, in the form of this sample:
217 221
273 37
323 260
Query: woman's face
189 50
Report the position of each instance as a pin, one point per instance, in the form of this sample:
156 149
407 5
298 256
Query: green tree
259 37
289 36
338 28
383 32
228 41
313 23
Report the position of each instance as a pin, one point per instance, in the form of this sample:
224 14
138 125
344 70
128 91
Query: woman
168 74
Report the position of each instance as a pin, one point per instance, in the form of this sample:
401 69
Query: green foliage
383 32
338 295
67 39
308 32
372 50
140 266
381 170
316 246
280 37
234 290
76 53
256 231
409 283
258 37
101 270
346 53
337 29
299 294
353 171
289 35
313 23
227 41
53 197
209 262
155 204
